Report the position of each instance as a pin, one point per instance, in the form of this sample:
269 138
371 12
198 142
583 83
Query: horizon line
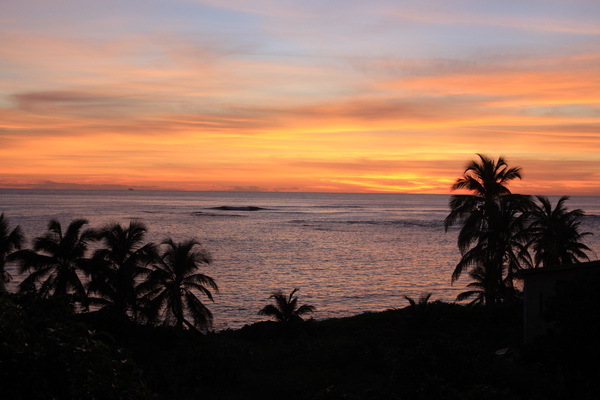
137 189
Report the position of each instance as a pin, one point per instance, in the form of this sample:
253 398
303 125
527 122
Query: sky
298 95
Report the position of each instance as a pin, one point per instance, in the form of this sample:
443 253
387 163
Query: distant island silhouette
237 208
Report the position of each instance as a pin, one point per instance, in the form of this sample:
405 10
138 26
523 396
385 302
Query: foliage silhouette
423 300
10 241
490 239
556 238
119 265
422 318
286 308
56 260
499 254
478 287
418 310
47 354
172 288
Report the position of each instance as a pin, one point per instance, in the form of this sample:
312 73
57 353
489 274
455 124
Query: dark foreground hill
427 351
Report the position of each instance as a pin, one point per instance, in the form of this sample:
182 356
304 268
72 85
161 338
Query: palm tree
492 221
487 181
119 265
10 241
285 308
499 253
556 236
173 286
478 287
56 260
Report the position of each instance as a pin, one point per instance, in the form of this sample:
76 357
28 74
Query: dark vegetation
429 350
286 308
128 321
503 233
158 285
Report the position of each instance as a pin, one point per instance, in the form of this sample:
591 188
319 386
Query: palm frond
202 279
271 311
201 315
305 309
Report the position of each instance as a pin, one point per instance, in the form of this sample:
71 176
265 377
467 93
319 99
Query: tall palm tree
487 181
173 287
556 235
286 308
10 241
118 266
500 252
56 261
491 218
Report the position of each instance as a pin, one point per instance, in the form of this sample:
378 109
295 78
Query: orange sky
298 96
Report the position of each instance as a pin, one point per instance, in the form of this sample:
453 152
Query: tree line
131 278
145 282
502 233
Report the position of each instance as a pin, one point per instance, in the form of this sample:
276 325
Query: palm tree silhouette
556 238
57 259
487 181
172 288
10 241
490 239
286 308
479 286
500 252
118 266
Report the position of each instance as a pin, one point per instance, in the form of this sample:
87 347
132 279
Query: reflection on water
349 253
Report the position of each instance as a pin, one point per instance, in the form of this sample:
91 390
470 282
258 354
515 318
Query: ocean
347 253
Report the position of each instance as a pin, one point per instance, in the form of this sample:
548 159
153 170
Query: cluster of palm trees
503 233
124 275
131 278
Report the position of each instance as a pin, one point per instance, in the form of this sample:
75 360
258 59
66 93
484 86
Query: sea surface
347 253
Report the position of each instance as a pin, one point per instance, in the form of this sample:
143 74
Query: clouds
343 96
70 102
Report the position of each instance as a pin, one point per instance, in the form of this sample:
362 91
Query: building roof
570 267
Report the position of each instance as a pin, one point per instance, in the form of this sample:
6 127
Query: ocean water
348 253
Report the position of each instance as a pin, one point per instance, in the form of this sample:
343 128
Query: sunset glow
336 96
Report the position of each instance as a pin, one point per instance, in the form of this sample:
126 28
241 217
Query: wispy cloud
269 95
